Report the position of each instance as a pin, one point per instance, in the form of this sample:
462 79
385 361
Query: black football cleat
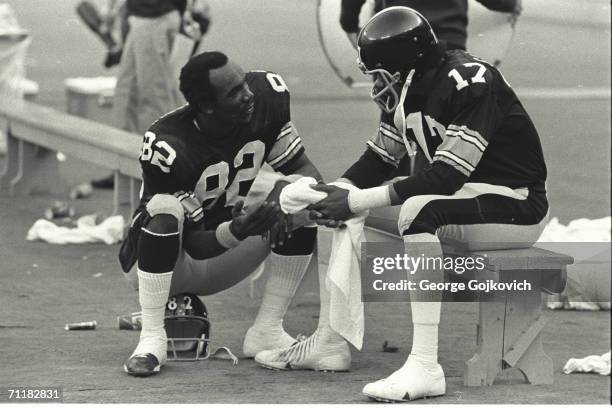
142 365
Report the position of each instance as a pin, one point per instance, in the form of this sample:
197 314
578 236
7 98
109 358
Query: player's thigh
210 276
506 222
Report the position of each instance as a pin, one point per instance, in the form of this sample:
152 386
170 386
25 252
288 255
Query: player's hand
254 221
333 208
281 230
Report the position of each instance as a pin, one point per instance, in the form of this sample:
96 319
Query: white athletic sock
153 291
325 332
425 305
285 275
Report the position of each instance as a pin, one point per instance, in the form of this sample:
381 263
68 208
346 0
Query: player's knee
159 242
166 205
162 224
416 217
302 242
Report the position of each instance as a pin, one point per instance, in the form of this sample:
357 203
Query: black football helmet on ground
394 42
187 328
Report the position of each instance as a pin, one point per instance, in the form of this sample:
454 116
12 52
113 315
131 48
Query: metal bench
35 132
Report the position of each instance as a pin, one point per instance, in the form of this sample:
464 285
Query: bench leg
11 162
522 339
536 365
31 169
125 195
486 364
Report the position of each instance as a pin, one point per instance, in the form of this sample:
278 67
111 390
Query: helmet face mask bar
195 346
386 97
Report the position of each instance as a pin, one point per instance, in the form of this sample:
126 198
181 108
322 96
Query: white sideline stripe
564 93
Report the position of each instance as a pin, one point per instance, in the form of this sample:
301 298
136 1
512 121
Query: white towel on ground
343 279
590 364
109 231
588 279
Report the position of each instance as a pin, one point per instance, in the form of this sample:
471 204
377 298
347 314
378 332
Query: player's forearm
368 171
439 179
202 244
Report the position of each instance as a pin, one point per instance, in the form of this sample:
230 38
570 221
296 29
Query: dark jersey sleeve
349 15
163 170
285 144
474 115
369 171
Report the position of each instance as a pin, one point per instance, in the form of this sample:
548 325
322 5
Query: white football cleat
413 381
257 340
309 354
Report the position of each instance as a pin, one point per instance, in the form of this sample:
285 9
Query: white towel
343 279
109 231
588 278
590 364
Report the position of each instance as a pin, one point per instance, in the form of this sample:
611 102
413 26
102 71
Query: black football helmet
187 328
394 42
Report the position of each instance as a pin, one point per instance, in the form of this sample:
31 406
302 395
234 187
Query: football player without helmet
484 186
205 203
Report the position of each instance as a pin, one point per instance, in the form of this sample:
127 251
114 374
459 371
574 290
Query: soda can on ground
81 326
59 209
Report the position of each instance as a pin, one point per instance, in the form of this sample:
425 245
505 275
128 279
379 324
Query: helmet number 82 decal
478 77
173 305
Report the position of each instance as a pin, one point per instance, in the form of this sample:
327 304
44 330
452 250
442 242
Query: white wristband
225 237
362 200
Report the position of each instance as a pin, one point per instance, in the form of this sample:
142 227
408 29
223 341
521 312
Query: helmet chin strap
399 118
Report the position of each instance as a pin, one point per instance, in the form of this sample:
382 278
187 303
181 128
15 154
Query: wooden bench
508 333
35 132
510 322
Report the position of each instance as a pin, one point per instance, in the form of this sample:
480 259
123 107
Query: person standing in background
448 18
147 86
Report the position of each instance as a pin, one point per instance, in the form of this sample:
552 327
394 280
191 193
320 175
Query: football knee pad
159 244
302 242
166 204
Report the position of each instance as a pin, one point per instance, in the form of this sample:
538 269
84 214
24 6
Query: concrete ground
43 287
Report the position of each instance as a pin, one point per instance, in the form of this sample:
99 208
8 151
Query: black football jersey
471 120
208 171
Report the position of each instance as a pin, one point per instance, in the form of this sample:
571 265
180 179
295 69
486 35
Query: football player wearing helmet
484 186
205 203
448 19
